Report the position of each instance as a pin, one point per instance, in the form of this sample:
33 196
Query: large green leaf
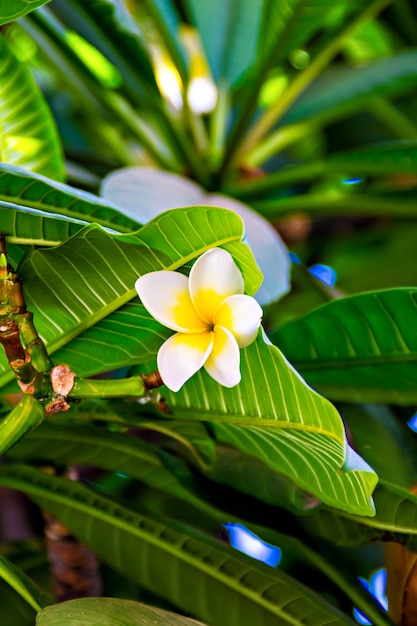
274 416
74 286
28 189
246 592
28 136
13 9
109 612
359 348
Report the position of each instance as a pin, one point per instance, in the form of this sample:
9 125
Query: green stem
133 387
218 126
302 80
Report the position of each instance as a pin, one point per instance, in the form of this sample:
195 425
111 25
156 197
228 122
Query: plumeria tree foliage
172 374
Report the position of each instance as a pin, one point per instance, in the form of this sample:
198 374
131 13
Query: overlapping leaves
360 348
246 592
274 416
74 286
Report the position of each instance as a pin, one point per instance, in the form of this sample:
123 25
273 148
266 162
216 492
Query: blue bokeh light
294 258
325 273
247 542
412 423
355 180
376 586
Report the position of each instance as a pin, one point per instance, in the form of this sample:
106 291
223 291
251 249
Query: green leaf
109 612
28 135
229 31
246 592
382 159
27 189
359 348
95 447
143 193
22 584
22 225
274 416
21 420
351 89
108 25
375 428
100 271
13 9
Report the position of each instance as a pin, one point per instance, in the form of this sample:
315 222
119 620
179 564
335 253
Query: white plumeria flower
212 318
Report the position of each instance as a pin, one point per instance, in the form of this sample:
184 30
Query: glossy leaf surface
29 136
66 308
395 520
359 348
28 189
144 192
273 415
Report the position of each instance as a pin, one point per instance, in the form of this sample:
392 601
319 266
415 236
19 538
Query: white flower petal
213 277
142 193
165 295
223 363
242 316
181 356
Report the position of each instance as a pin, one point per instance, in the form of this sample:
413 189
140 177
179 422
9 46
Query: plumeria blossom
212 318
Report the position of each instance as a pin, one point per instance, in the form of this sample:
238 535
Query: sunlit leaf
100 271
28 189
142 193
29 136
273 415
21 584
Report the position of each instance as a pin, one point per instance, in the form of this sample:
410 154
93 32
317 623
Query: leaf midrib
96 317
53 210
253 420
314 365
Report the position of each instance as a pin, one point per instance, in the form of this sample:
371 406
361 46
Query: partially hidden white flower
212 318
